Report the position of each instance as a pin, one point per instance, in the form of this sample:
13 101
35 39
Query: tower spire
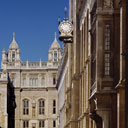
55 35
13 35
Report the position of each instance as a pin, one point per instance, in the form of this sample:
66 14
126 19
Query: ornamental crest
108 3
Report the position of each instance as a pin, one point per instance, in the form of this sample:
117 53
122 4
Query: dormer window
55 56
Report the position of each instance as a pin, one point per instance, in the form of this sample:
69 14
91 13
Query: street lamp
66 29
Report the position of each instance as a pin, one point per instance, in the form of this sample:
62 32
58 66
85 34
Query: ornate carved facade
28 95
95 93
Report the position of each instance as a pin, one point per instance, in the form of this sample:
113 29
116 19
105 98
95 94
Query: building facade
96 67
28 89
61 82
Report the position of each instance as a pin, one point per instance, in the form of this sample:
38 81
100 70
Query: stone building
95 90
121 85
28 95
62 81
4 95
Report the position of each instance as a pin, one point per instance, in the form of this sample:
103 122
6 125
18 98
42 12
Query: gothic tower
54 54
14 51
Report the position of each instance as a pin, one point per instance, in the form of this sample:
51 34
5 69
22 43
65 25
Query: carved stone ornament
108 3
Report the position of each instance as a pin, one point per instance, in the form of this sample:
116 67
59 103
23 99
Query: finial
65 9
59 20
55 35
13 35
3 50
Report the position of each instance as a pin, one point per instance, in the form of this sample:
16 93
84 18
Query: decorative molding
108 3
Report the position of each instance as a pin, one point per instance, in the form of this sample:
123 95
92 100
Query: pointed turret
4 60
4 56
54 51
13 44
55 44
14 51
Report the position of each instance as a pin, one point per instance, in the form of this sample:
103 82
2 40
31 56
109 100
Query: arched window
41 106
25 107
13 55
55 56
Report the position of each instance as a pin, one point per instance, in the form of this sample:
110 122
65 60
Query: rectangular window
43 81
33 81
55 56
54 80
107 50
54 106
30 81
54 123
25 107
25 124
107 37
24 81
107 64
33 125
41 107
33 110
13 55
36 81
13 81
41 124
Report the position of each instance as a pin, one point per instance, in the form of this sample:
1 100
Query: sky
34 23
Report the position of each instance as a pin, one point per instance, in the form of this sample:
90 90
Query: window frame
25 108
41 123
33 81
55 56
43 81
54 107
107 65
54 123
25 122
24 81
41 107
13 55
54 80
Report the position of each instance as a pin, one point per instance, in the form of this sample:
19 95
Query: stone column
6 120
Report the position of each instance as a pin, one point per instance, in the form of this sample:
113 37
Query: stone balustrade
33 65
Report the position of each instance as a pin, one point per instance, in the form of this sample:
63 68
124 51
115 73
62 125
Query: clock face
65 27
